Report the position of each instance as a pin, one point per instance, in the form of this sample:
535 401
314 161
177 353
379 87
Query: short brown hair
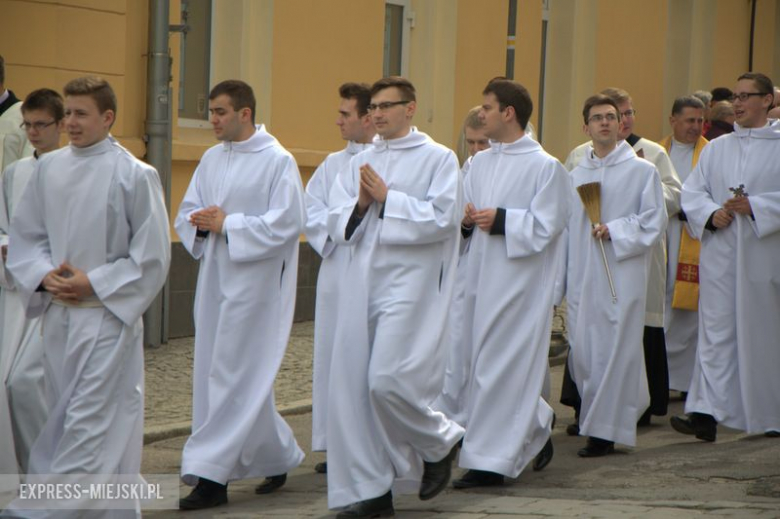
762 82
618 95
511 93
44 99
404 86
360 92
240 94
598 100
95 87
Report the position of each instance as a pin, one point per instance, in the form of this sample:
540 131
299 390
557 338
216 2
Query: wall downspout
158 144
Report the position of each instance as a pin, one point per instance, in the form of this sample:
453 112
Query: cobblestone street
169 376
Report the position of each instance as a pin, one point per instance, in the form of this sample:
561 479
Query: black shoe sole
269 486
544 457
184 504
385 512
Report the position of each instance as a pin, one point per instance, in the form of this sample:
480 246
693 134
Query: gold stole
686 284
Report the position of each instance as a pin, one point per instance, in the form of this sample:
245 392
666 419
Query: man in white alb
398 207
241 217
356 128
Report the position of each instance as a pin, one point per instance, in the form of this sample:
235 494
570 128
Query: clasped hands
483 218
372 188
722 218
68 283
210 219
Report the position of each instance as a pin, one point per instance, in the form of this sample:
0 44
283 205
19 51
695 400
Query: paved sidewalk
168 409
666 476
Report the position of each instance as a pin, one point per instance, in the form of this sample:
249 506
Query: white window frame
408 24
184 122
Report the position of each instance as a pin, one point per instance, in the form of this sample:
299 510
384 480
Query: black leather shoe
321 467
596 447
206 494
772 434
381 506
270 484
436 475
544 457
478 478
703 426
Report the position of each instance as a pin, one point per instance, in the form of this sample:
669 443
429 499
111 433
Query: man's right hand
721 219
364 201
468 216
56 283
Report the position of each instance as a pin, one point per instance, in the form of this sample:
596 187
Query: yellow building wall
528 50
656 50
480 55
46 44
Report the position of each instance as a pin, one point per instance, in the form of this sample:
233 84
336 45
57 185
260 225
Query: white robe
508 302
388 357
454 393
735 377
22 390
244 306
101 210
13 140
681 326
606 338
330 281
656 283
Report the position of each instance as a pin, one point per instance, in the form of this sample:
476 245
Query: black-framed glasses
386 105
745 95
35 126
597 118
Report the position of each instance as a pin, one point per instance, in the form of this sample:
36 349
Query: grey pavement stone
666 475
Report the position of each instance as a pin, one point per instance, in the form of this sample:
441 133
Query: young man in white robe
89 251
356 128
241 217
452 400
516 209
13 141
22 392
653 335
398 207
682 325
732 200
605 333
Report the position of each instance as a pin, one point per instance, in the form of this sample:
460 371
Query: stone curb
156 433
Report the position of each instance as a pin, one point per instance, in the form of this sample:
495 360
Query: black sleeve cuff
352 224
709 225
499 224
200 233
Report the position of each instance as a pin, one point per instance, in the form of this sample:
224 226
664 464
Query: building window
195 61
398 22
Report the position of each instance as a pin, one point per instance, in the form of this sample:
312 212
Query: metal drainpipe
158 144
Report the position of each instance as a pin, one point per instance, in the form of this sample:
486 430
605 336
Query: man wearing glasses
605 330
13 142
22 391
732 201
398 207
653 337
